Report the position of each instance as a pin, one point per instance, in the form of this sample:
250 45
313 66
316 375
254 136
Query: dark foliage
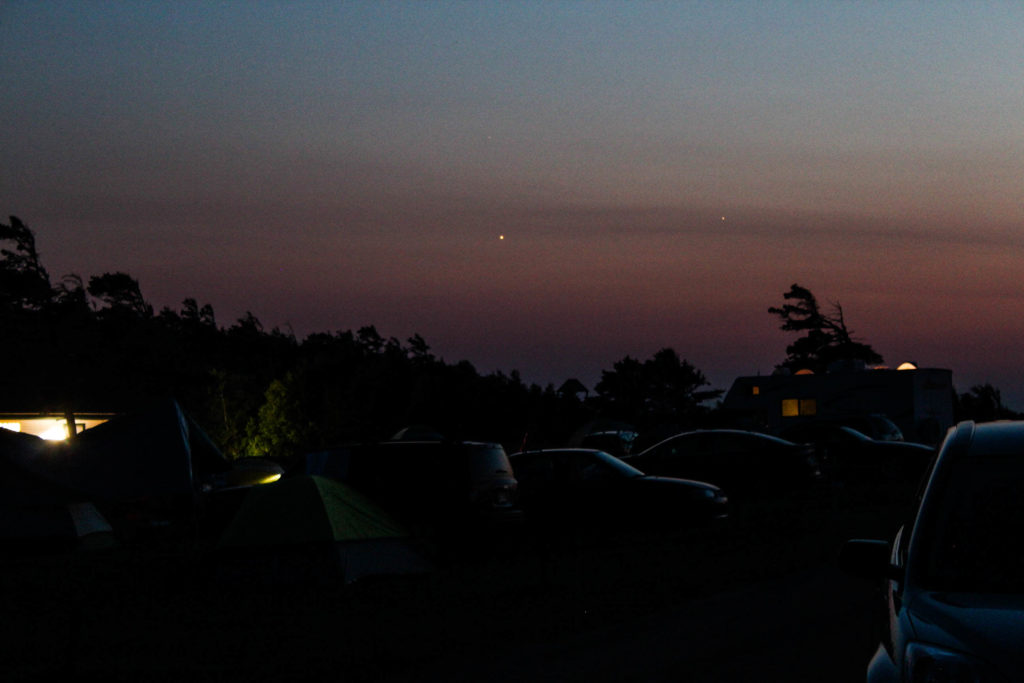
661 396
101 347
825 340
983 403
24 283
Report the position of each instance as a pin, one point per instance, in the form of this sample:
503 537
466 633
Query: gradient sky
661 172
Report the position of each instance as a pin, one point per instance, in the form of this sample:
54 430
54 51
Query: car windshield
611 462
977 528
853 434
692 442
759 439
486 460
884 429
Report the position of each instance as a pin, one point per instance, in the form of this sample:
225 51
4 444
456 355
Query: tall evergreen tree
826 338
24 283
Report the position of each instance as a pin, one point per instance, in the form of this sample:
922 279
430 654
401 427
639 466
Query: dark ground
757 598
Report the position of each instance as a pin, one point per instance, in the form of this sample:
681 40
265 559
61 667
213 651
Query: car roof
1002 438
550 451
431 442
728 432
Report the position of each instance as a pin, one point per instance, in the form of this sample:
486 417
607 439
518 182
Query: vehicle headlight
931 664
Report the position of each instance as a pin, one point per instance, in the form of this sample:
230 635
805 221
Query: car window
534 470
877 427
487 460
733 443
663 449
688 445
850 435
976 528
588 469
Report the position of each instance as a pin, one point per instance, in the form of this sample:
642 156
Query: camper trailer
918 400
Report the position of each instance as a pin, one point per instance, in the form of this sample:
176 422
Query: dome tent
309 527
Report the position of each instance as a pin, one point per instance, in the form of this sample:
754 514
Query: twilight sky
660 172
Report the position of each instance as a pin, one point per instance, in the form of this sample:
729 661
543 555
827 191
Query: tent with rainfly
144 470
155 452
311 528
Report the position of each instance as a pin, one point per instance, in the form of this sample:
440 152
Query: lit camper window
795 407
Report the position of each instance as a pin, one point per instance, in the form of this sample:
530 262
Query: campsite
175 587
502 341
166 613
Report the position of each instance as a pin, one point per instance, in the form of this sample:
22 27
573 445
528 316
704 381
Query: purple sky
333 165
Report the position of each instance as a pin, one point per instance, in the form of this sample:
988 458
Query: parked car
745 464
851 457
876 426
954 574
617 442
592 486
437 485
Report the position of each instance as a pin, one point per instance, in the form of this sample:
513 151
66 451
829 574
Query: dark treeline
98 345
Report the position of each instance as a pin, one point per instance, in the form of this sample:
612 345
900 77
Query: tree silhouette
24 283
660 395
100 346
120 295
826 338
983 403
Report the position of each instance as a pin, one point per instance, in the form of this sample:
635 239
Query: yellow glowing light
907 366
793 407
12 426
58 432
269 479
723 218
501 237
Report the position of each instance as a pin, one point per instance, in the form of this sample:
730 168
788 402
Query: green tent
309 527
